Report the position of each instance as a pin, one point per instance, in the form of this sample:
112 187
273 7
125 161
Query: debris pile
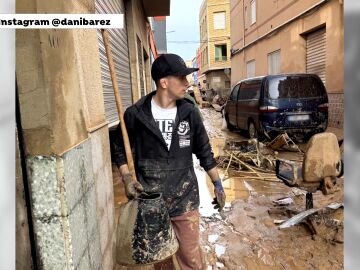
248 159
254 159
284 142
219 100
218 103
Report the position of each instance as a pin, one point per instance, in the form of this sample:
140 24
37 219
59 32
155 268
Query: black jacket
158 169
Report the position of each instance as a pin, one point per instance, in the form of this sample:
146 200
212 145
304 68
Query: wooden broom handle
129 157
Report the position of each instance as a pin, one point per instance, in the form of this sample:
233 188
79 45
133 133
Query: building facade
290 36
214 21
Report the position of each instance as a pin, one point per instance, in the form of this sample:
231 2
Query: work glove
132 187
219 200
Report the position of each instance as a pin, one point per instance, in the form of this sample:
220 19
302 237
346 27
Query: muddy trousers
186 227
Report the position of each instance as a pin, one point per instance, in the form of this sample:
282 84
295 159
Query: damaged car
269 105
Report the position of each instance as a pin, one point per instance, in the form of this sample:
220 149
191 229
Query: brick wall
336 110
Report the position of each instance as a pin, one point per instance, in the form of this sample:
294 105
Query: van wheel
228 125
252 132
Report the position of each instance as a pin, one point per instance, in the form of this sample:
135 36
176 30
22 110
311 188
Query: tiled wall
72 206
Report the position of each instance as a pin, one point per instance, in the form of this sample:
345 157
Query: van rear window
295 87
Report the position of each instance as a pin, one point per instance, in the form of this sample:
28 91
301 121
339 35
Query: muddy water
240 188
235 187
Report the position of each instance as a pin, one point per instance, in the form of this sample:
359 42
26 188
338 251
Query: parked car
273 104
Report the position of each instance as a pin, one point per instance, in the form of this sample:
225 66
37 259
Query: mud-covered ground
246 236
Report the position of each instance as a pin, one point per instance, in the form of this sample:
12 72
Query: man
165 130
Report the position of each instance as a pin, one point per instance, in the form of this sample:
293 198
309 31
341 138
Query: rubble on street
218 103
248 155
265 224
284 142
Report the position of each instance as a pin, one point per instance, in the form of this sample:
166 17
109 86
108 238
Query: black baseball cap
169 65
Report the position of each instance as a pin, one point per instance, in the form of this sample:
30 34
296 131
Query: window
204 58
203 28
250 90
234 93
253 12
205 25
250 69
216 79
220 52
295 87
274 63
219 20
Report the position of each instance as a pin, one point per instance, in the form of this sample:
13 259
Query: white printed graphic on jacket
165 118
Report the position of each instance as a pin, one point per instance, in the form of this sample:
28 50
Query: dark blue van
273 104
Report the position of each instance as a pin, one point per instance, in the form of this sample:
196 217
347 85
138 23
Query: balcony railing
220 58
